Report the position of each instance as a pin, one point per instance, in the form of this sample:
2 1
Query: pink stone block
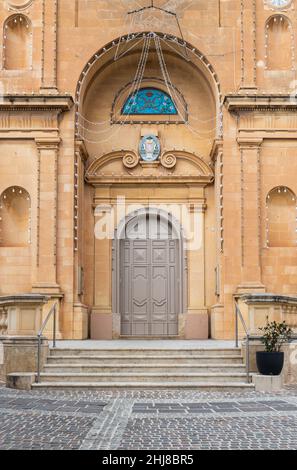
197 326
101 326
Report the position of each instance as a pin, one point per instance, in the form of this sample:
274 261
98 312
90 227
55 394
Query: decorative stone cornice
151 179
198 170
264 102
8 300
268 299
38 102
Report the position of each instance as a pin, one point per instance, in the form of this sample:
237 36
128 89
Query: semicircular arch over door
150 276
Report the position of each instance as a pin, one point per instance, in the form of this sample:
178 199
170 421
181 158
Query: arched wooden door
149 278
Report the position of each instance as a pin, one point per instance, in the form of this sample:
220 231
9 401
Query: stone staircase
145 368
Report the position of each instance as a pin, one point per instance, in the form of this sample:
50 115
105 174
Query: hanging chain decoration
137 17
92 131
85 125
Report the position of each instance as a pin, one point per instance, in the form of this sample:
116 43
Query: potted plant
271 361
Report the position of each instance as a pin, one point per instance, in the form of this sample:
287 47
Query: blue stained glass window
149 101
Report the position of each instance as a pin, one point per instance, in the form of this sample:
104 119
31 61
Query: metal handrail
52 312
238 314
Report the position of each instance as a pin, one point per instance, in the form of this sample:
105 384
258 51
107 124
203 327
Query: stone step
134 368
131 352
203 386
143 359
143 377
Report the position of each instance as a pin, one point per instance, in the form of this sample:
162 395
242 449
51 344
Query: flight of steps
145 368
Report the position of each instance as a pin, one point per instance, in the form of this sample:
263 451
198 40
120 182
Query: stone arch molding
124 166
154 211
104 55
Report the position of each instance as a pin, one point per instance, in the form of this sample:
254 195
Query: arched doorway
110 143
150 287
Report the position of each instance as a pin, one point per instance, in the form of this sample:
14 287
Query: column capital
47 143
217 147
249 142
81 150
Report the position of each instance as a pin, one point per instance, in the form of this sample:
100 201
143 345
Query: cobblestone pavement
150 420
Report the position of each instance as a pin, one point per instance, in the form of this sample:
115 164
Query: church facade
148 165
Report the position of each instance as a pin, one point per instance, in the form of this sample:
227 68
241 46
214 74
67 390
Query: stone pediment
173 167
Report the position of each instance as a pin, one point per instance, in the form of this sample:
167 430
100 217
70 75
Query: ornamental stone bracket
247 143
81 152
167 160
3 320
173 167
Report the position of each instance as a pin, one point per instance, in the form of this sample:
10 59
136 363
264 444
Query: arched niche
17 43
281 218
104 78
279 43
15 217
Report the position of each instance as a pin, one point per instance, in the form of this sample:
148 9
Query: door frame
119 235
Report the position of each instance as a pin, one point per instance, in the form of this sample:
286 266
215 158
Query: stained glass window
149 101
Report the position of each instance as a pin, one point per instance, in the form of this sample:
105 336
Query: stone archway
149 285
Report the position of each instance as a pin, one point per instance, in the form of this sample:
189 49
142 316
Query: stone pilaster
218 164
49 46
250 215
248 44
46 250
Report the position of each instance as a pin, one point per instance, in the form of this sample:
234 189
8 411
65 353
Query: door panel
149 286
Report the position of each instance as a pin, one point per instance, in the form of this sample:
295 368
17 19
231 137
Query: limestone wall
233 73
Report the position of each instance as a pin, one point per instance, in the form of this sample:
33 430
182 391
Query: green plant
275 335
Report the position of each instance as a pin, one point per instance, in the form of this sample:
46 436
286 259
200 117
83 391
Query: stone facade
228 156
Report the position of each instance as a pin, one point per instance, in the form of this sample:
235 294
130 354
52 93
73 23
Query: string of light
134 87
170 87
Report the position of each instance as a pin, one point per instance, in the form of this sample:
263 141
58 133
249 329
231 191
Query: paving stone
147 420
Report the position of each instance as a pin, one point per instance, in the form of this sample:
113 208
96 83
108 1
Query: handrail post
247 334
236 326
53 311
248 358
54 327
38 357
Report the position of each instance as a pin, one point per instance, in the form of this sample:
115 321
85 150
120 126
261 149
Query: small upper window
149 101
